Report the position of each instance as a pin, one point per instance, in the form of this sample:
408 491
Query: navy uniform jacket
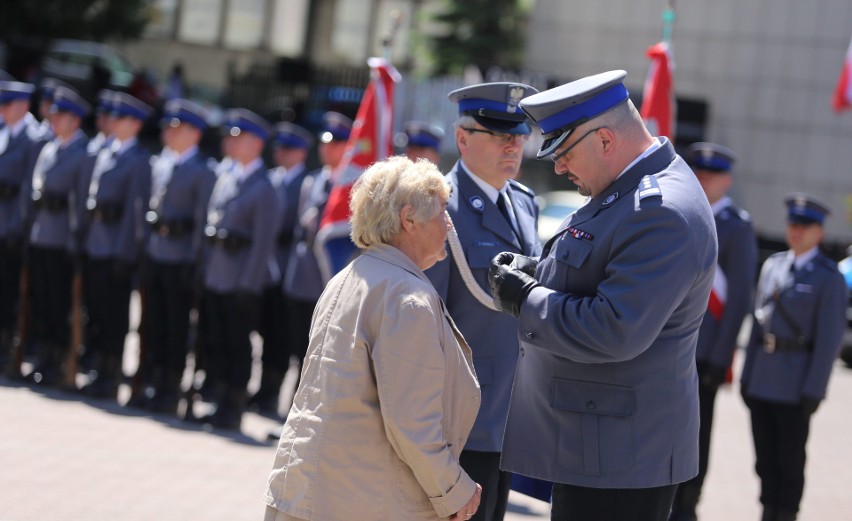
127 185
252 216
606 392
717 339
16 161
184 202
815 299
484 232
303 279
288 193
51 225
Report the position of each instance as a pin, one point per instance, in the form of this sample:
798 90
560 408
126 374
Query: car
554 207
845 267
90 66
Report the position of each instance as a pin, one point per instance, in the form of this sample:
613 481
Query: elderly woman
388 393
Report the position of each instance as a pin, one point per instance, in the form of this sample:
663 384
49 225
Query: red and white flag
658 108
842 99
371 140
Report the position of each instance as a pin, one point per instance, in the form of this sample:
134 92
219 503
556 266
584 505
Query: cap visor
551 145
502 125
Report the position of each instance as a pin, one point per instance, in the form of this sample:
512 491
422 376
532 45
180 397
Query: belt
285 238
773 344
8 190
170 227
105 212
53 203
229 241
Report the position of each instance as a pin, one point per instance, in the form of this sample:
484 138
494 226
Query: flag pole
668 21
387 42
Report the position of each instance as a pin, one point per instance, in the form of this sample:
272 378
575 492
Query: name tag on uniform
803 288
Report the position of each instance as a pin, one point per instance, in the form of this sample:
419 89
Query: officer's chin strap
467 276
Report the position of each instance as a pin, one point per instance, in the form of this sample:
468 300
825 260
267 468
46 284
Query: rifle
70 377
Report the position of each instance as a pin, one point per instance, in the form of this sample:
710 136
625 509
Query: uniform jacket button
523 352
529 335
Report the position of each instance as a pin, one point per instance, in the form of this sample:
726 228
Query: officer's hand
523 263
809 406
711 375
509 286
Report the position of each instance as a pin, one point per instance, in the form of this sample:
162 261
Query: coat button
590 404
529 335
523 352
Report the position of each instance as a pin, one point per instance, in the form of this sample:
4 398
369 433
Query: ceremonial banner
658 110
370 141
842 99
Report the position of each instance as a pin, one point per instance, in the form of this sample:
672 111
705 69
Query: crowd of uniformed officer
224 246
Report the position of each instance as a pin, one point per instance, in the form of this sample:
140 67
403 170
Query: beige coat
387 398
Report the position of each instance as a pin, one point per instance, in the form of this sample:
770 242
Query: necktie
503 206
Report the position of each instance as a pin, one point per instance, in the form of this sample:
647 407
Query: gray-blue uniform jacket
116 224
493 337
815 299
288 193
52 210
717 339
606 392
249 219
16 161
183 205
303 279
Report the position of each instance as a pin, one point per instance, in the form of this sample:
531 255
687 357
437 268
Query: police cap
495 105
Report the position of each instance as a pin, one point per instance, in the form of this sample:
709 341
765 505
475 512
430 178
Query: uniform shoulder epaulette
649 187
521 188
825 262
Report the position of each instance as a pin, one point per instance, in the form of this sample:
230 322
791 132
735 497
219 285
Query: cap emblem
516 93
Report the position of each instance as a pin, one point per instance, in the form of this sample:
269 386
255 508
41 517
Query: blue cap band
185 116
471 105
422 139
8 96
805 215
715 163
65 105
291 141
590 108
247 126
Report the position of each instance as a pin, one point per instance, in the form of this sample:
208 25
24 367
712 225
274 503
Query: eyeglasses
556 156
502 137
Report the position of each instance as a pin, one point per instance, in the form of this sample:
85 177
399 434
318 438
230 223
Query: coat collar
393 255
472 196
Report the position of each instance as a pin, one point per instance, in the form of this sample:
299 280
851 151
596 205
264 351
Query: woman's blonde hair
385 188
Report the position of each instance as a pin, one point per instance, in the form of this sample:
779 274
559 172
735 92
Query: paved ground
63 457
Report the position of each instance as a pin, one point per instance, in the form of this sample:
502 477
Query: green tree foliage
479 32
97 20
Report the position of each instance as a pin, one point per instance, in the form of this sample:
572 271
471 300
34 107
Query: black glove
809 406
509 286
523 263
711 375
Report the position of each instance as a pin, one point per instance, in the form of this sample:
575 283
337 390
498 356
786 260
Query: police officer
17 151
491 213
799 322
303 281
46 92
181 183
51 208
102 121
290 151
242 219
421 140
117 195
605 401
730 301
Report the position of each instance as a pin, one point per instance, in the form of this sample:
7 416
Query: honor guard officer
605 402
290 151
52 212
17 151
117 198
730 301
421 140
46 92
491 213
242 220
102 120
798 329
303 282
181 184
